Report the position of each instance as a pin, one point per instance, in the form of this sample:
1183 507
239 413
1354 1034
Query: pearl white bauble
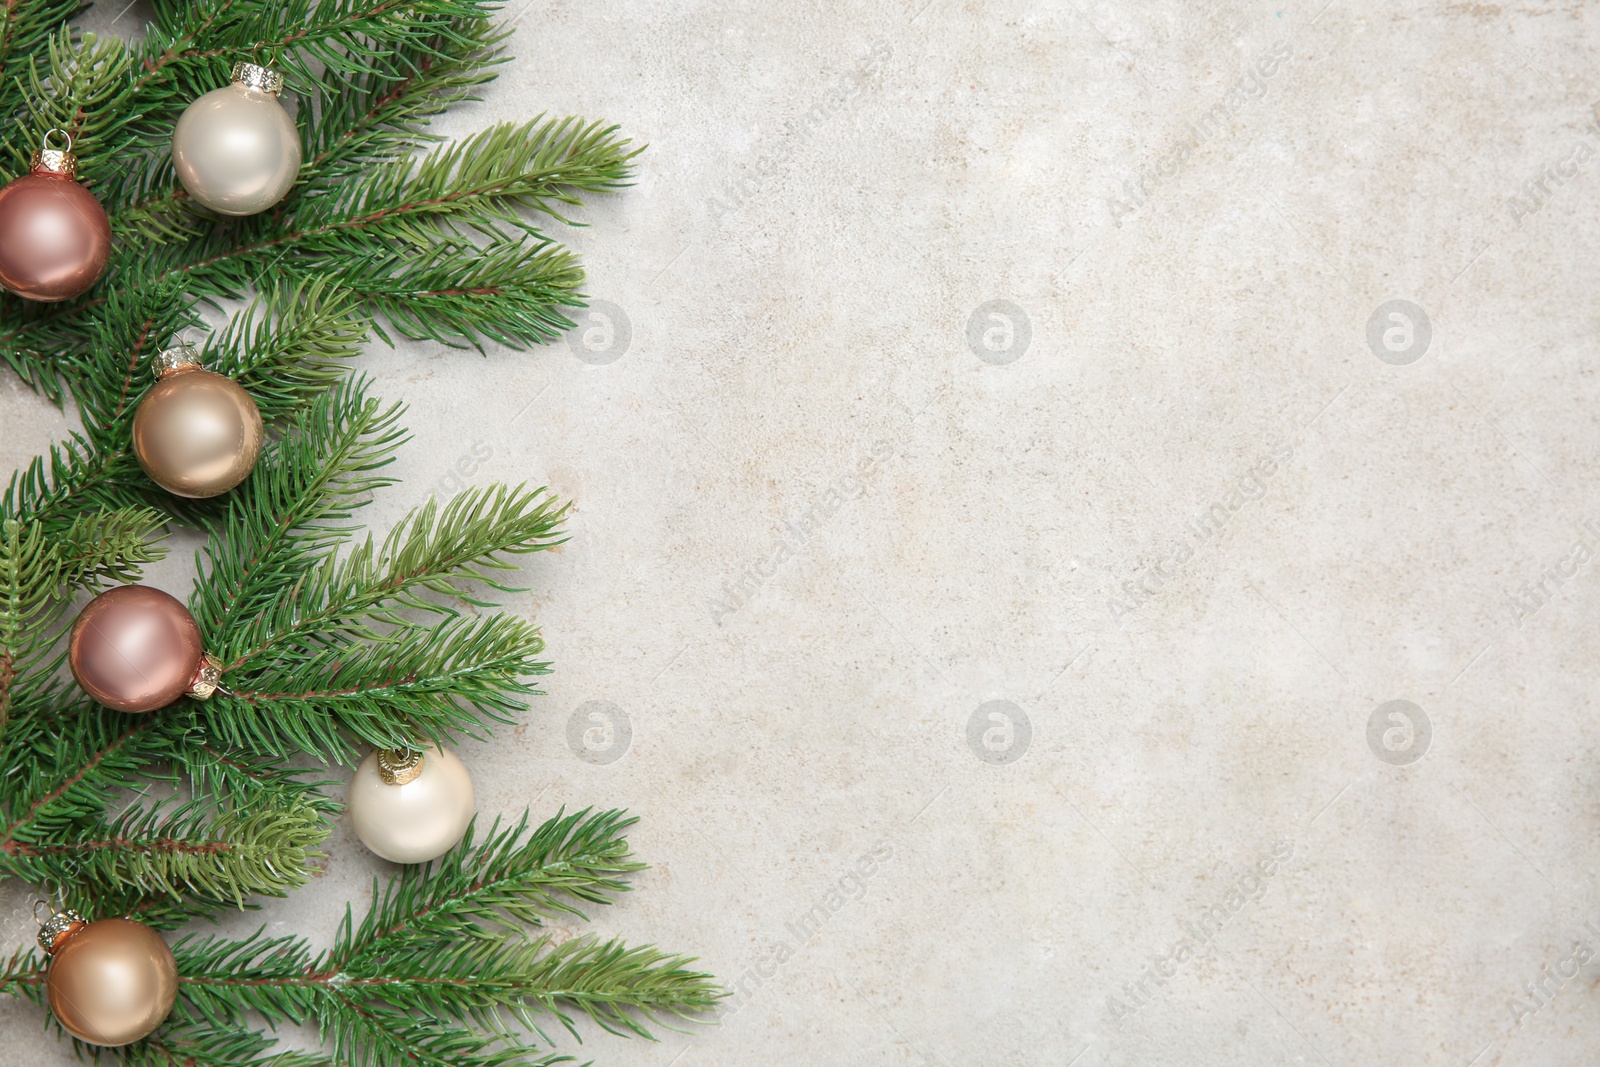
418 821
236 150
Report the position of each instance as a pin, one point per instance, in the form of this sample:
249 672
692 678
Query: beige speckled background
1189 499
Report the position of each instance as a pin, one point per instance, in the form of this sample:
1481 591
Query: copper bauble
55 238
111 982
134 648
196 434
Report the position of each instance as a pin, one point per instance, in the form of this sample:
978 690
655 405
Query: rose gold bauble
111 982
196 434
55 238
134 648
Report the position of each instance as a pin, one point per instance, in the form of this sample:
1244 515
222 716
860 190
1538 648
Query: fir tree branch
102 548
296 34
23 974
68 766
33 337
159 210
510 880
26 27
383 115
359 232
75 87
291 508
430 948
169 860
173 863
193 1044
455 292
535 165
374 1035
623 989
418 683
290 346
620 988
285 349
39 570
72 475
215 771
430 550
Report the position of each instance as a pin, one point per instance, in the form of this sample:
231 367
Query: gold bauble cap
56 162
397 766
261 79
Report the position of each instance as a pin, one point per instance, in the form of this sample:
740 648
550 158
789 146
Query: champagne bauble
196 434
110 982
134 648
410 806
55 238
236 150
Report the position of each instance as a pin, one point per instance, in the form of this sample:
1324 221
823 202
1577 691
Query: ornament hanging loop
56 161
61 924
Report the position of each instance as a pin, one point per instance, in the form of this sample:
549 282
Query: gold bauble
196 434
111 982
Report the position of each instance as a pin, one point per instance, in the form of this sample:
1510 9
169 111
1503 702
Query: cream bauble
411 807
236 150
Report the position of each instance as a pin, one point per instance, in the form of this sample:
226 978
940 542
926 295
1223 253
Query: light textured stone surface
831 194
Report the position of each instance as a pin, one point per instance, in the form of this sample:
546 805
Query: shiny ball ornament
55 238
236 150
110 982
411 807
134 648
196 434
